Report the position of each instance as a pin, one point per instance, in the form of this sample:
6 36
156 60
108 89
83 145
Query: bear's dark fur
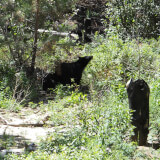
48 81
66 73
138 95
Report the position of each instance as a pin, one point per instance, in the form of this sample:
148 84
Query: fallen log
35 123
63 34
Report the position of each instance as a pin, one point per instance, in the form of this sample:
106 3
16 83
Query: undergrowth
96 124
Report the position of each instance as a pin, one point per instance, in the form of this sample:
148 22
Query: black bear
138 95
48 81
66 73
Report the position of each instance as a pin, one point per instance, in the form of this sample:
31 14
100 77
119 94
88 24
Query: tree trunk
35 38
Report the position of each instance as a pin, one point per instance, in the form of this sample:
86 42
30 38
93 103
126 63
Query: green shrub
15 88
155 111
134 19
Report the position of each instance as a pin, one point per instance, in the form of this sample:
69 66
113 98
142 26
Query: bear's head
84 60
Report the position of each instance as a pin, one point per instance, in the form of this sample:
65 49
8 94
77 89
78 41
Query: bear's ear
86 58
90 57
129 82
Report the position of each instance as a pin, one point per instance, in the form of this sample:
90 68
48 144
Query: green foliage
19 32
16 31
7 76
15 88
97 125
102 122
154 111
89 128
56 10
6 88
98 129
134 18
116 61
7 142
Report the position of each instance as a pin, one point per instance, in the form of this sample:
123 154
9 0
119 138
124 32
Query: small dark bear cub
66 73
138 95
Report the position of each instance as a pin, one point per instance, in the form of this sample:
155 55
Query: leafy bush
155 112
15 88
115 61
134 18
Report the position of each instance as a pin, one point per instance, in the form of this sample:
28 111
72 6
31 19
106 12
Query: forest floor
31 125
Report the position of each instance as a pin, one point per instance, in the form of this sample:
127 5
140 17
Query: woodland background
123 38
